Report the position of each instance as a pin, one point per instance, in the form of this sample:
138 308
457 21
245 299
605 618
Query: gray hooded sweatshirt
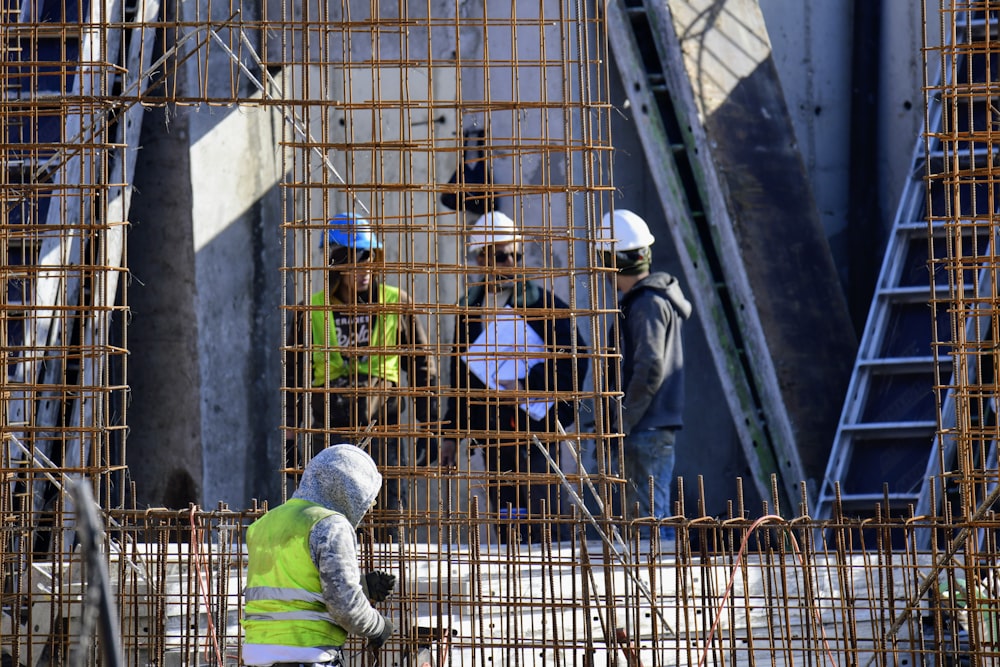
342 478
652 313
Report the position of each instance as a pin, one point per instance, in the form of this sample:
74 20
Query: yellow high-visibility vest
326 358
283 600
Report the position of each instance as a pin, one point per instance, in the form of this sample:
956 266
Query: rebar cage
419 118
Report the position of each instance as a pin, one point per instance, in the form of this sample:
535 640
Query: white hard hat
624 231
491 229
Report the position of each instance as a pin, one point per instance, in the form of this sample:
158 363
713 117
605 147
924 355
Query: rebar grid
372 110
962 262
377 118
62 251
963 257
733 591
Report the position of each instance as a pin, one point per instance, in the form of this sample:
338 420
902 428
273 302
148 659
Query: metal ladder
886 447
634 28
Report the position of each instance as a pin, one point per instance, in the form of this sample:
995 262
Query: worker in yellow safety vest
305 593
350 345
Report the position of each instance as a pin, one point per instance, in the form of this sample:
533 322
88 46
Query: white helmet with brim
624 230
492 228
625 242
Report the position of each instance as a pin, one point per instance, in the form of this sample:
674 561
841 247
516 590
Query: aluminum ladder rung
896 364
853 500
909 428
911 293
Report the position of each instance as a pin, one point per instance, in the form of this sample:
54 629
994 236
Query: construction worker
354 340
652 311
305 593
514 352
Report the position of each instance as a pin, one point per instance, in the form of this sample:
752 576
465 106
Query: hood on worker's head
342 478
669 287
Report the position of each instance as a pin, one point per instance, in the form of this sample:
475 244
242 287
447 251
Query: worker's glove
376 642
378 585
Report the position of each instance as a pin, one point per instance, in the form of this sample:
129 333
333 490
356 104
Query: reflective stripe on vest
283 602
326 358
276 593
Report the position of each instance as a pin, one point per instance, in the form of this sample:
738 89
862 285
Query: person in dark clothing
653 309
514 374
346 354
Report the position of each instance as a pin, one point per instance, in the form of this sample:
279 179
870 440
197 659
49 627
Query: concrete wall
164 442
812 44
205 252
237 246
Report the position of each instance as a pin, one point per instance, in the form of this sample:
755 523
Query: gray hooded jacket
342 478
653 355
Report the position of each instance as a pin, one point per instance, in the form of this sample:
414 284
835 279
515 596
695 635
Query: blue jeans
649 454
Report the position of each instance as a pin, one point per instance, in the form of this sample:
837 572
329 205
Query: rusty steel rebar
369 114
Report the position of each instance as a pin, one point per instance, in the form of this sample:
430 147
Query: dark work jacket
479 413
652 367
